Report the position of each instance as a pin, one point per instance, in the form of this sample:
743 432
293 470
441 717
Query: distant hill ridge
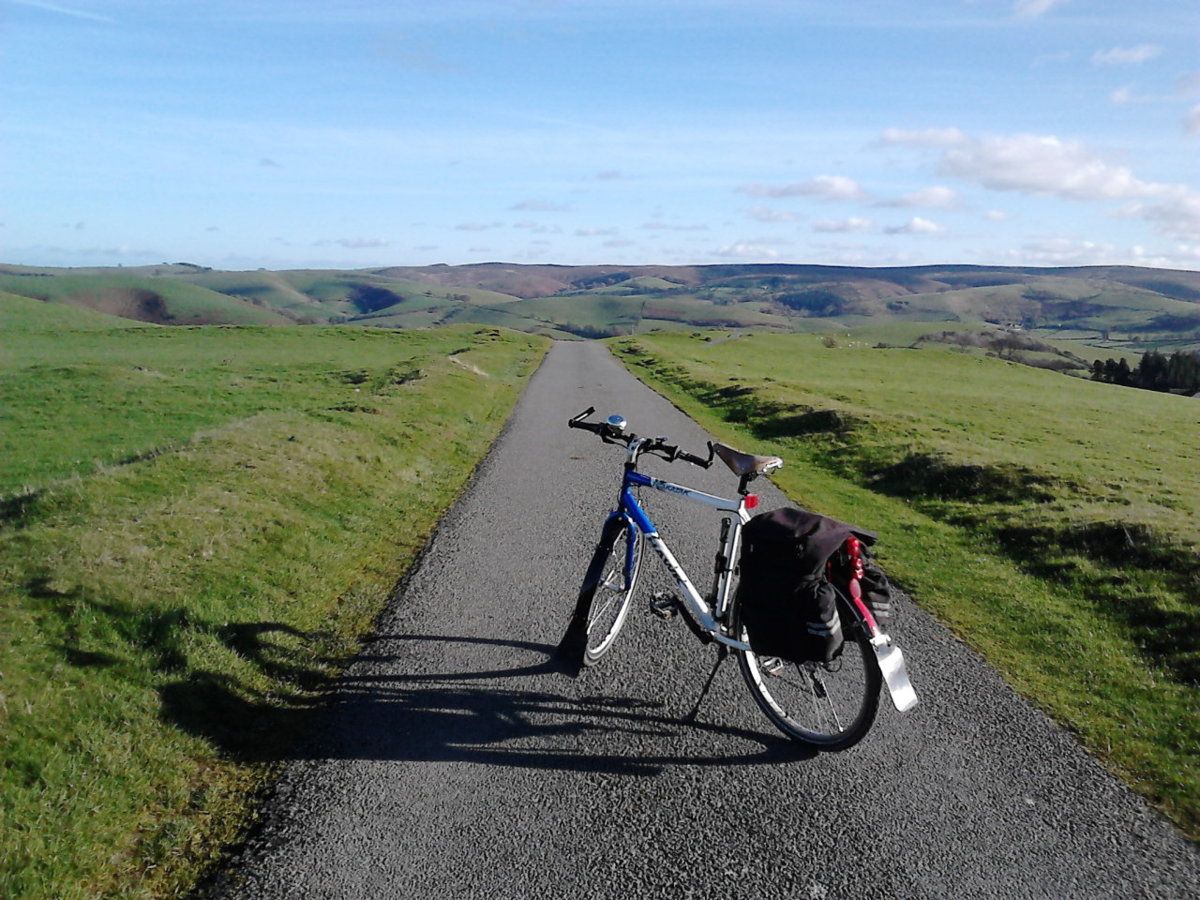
1150 307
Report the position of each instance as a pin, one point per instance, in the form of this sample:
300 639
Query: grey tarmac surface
454 764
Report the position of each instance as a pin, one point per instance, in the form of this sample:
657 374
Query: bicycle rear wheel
608 589
830 706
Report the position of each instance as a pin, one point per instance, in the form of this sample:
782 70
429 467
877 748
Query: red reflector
752 501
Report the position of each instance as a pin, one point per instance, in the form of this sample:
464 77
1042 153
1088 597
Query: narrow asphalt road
454 764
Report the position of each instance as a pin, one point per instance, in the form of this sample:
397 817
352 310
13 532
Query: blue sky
295 134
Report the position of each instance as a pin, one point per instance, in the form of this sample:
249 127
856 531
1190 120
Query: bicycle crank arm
891 664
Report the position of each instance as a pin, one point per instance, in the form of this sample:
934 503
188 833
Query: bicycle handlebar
613 435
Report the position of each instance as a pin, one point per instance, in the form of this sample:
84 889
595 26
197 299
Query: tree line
1155 372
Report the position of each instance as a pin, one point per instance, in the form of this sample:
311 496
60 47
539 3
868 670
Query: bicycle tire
789 693
605 584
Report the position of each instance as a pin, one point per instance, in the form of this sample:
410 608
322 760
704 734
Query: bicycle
825 705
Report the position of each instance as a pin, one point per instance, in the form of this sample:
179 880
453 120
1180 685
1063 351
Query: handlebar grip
577 421
695 460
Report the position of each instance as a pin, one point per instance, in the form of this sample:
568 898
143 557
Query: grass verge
186 561
1049 522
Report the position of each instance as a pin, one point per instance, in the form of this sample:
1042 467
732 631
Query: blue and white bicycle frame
710 617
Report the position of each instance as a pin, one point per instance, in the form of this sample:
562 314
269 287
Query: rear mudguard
887 654
895 675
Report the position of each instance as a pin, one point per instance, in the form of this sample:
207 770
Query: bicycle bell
616 421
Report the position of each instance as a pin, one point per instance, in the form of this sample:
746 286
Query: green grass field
148 298
1052 522
196 524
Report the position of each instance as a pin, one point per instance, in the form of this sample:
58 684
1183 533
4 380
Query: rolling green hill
1101 310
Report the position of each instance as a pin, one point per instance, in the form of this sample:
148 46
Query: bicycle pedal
770 665
665 605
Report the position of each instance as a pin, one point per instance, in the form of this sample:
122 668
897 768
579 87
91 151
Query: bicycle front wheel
829 706
608 589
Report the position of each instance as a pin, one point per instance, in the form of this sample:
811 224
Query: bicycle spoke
822 690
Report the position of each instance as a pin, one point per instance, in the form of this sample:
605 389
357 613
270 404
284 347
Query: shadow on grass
1131 566
515 715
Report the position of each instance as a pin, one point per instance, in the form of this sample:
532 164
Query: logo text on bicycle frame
660 485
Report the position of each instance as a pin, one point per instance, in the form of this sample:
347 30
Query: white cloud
766 214
1126 56
1189 85
915 225
1068 251
352 243
610 175
620 242
1033 9
838 226
1121 96
923 137
1047 165
747 251
824 187
476 226
1177 213
995 215
936 197
594 232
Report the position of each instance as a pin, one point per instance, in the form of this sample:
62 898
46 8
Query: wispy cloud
538 228
823 187
746 251
935 197
1047 165
915 225
352 243
1126 56
476 226
595 232
268 163
841 226
767 214
539 206
65 11
922 137
1034 9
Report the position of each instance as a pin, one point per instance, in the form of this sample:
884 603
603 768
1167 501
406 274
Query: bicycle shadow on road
480 716
474 716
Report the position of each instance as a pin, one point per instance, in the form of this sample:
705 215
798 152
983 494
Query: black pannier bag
787 603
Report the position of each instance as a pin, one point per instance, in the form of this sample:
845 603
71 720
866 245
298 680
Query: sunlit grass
1051 522
198 526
